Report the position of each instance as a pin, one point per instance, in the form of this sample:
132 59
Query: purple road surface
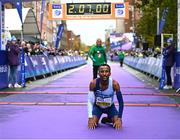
70 122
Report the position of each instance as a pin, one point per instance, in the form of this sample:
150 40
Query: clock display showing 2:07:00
88 8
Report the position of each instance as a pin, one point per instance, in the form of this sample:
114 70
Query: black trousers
168 74
121 62
95 71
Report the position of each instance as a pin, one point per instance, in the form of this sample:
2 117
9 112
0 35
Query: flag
19 9
161 26
59 35
42 14
163 73
23 71
162 22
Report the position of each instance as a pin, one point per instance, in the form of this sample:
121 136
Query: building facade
48 28
134 16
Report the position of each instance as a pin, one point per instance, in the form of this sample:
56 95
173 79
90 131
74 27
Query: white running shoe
167 87
10 86
17 85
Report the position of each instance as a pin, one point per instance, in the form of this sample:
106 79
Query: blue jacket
169 55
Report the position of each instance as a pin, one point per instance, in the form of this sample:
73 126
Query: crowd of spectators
138 52
31 48
146 53
15 47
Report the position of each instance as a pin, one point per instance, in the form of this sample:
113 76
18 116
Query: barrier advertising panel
177 71
3 69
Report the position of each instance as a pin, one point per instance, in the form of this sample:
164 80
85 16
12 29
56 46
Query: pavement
55 108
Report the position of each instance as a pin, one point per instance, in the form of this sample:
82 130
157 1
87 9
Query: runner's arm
121 103
91 98
90 103
119 98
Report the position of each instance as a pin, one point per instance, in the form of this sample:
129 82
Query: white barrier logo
177 71
3 69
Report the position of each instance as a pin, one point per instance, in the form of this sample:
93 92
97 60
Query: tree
146 26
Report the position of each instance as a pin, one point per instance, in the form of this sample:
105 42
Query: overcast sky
90 30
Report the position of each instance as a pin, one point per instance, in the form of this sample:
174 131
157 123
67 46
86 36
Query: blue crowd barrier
37 65
177 71
40 64
153 66
3 69
149 65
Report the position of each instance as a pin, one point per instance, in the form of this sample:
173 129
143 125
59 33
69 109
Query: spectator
13 50
111 56
121 58
98 56
169 59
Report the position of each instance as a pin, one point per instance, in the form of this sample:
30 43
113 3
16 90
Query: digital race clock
88 11
88 8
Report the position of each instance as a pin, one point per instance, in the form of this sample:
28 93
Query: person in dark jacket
13 51
168 54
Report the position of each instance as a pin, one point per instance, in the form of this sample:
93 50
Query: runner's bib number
103 102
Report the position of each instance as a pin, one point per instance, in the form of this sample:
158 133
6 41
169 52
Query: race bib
103 102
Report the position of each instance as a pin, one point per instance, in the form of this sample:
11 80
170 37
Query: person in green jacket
121 58
97 54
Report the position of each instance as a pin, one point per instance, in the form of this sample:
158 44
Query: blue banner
163 73
42 14
19 9
59 34
2 28
161 26
23 81
163 19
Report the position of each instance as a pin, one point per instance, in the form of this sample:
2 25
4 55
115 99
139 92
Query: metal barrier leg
178 90
34 78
